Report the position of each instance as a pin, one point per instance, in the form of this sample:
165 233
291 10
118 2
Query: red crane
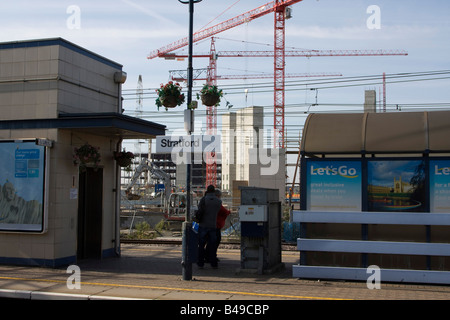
211 119
279 76
293 53
228 24
180 75
278 7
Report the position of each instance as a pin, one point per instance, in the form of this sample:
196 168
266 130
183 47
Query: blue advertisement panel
440 186
22 177
333 185
397 185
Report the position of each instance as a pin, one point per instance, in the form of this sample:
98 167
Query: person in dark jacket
210 205
220 223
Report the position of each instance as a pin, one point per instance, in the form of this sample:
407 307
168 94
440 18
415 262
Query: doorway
90 208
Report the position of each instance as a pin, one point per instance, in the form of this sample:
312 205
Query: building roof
103 124
355 133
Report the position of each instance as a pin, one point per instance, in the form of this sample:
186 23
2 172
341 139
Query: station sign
188 144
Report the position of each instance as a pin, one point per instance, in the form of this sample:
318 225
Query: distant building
370 101
246 160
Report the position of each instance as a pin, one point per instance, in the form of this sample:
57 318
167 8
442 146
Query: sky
126 31
382 173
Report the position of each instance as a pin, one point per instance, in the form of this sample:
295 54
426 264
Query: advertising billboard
397 185
440 186
22 183
333 185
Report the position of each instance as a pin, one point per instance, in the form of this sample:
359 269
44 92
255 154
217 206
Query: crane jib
220 27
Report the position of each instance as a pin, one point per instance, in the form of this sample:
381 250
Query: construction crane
181 75
246 17
292 53
279 114
211 119
279 8
139 110
281 13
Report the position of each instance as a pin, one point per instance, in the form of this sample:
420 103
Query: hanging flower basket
86 156
123 158
169 101
210 99
210 95
169 95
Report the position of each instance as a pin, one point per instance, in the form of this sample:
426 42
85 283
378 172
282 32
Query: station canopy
372 133
107 124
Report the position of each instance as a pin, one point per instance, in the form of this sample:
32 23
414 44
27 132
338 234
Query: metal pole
186 263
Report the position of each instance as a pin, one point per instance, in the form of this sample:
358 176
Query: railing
365 247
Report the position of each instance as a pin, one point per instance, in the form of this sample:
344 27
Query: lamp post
186 263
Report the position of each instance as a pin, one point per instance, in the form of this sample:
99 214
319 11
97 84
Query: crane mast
279 76
211 119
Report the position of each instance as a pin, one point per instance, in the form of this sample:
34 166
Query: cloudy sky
382 173
126 31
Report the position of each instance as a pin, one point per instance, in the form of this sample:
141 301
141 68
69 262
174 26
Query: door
90 208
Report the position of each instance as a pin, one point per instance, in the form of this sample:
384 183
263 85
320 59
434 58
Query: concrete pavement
154 272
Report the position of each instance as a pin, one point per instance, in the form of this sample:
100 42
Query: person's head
210 189
218 193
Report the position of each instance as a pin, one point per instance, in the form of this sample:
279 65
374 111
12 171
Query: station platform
154 272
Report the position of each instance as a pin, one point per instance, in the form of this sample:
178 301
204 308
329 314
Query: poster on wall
440 186
333 185
22 186
397 185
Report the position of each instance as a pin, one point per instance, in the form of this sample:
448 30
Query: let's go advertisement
440 186
333 185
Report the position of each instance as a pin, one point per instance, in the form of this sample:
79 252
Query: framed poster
333 185
397 185
440 186
22 183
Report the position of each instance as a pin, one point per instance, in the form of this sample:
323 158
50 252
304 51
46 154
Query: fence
433 252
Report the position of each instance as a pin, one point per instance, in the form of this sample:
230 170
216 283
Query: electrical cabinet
260 217
254 213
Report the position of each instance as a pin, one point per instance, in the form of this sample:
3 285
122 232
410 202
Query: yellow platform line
178 289
230 252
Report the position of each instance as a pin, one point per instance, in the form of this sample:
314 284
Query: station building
56 97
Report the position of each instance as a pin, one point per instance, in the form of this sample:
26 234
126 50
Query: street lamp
186 263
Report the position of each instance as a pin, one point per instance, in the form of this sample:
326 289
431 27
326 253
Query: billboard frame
27 166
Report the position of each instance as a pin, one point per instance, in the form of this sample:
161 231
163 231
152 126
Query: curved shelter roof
355 133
